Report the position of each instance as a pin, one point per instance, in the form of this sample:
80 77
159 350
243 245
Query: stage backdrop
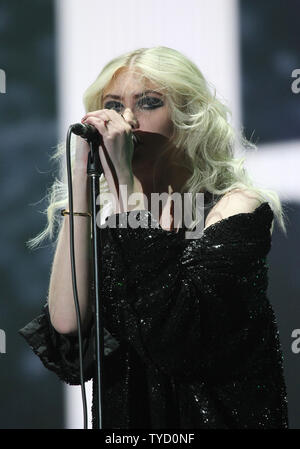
31 397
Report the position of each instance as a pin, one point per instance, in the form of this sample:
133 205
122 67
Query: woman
191 339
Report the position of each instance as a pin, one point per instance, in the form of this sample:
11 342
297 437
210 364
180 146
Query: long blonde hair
201 127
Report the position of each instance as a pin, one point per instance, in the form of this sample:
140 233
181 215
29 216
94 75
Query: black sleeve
191 303
59 352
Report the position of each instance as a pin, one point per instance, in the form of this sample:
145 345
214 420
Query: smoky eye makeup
144 103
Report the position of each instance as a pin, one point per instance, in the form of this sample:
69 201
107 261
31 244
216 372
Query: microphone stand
94 170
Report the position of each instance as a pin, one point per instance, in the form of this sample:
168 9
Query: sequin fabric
191 339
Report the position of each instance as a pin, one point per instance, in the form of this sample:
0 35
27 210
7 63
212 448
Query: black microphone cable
74 283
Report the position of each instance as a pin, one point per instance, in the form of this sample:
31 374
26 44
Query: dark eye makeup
144 103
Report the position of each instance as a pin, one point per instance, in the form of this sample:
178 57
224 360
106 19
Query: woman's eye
113 105
150 102
144 103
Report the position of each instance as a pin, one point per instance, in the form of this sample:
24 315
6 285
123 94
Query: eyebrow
117 97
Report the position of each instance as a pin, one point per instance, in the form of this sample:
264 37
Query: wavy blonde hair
201 128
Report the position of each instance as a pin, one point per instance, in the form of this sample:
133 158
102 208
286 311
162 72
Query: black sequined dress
191 339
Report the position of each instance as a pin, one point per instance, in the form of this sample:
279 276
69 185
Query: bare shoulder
234 202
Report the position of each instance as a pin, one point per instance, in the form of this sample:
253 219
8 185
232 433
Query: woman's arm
60 299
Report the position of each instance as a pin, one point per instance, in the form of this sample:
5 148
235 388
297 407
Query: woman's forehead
129 81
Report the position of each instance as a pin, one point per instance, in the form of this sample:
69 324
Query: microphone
90 132
85 131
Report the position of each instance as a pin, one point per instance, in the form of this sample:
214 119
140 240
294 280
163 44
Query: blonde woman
191 339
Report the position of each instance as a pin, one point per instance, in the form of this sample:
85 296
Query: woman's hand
117 138
116 153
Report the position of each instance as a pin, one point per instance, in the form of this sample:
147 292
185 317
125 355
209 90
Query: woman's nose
131 118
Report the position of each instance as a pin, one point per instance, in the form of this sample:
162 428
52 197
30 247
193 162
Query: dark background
269 52
31 396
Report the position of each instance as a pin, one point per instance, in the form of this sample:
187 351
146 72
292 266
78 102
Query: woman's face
146 103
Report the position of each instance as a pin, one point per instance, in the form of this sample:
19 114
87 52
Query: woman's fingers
97 122
93 113
112 122
105 114
117 118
